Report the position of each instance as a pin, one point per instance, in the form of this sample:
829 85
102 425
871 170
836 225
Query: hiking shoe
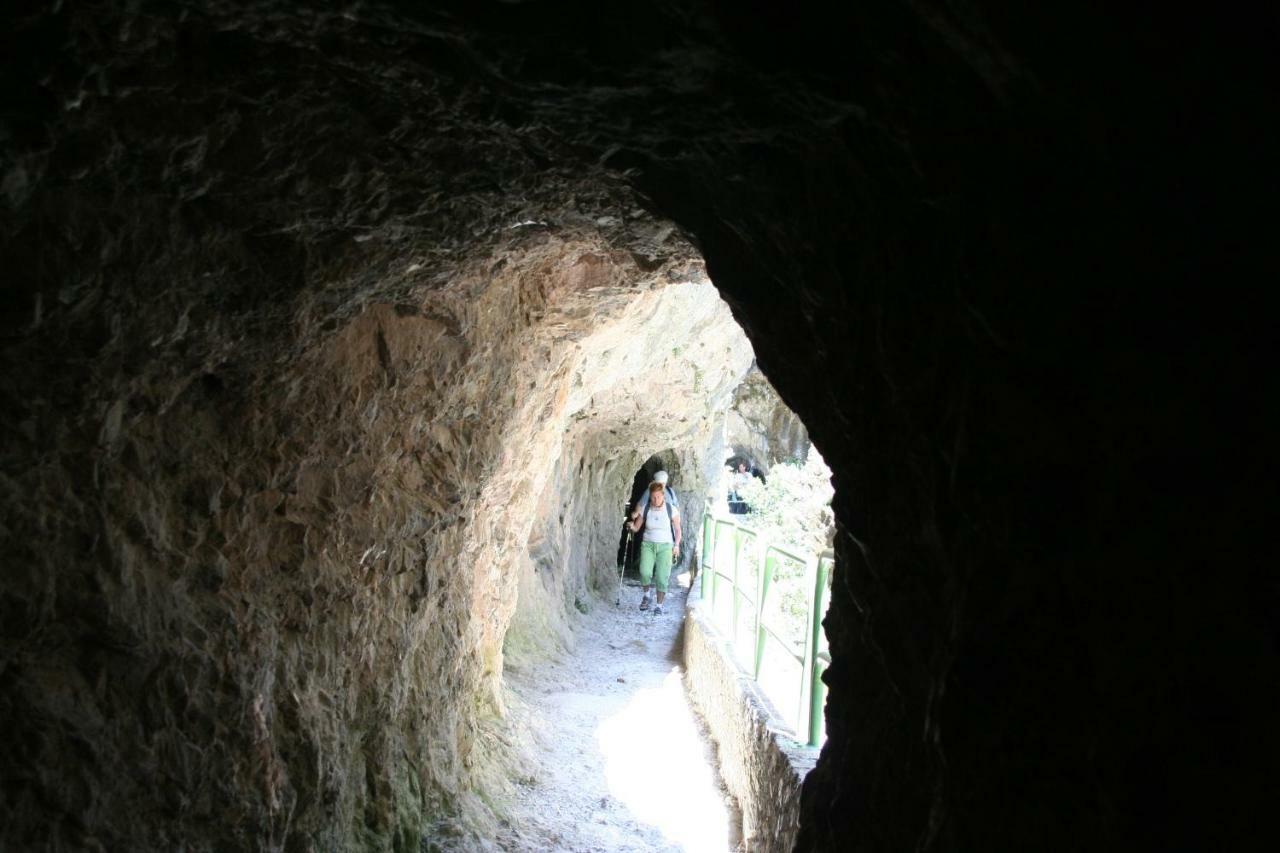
644 603
657 610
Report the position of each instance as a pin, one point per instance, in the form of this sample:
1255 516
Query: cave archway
284 288
645 473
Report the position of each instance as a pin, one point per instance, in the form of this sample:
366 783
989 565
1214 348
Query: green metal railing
814 657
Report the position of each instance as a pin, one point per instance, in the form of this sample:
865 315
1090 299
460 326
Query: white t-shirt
657 526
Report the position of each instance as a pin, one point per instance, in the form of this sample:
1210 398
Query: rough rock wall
658 380
1002 259
995 257
275 361
761 426
295 578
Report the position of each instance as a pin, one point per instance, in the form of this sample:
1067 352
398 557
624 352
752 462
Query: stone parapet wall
760 762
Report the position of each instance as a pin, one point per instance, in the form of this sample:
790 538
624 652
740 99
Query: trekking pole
622 568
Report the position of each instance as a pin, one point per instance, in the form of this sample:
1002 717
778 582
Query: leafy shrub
792 510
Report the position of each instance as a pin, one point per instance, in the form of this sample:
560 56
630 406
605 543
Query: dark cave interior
288 289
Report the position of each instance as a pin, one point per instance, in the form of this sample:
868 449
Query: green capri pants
655 555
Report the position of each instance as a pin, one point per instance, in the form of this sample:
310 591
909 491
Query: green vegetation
793 510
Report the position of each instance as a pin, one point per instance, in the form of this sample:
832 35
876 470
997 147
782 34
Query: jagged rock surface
989 252
302 569
761 427
294 431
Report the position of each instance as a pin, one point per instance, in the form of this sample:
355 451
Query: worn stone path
624 764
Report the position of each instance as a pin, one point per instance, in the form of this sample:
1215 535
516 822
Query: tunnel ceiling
276 277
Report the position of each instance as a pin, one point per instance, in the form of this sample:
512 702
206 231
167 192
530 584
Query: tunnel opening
299 461
652 394
645 474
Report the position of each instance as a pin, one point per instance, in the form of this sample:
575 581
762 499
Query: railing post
715 579
737 562
762 590
817 690
815 657
716 542
708 543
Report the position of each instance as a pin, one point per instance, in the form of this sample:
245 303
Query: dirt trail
623 762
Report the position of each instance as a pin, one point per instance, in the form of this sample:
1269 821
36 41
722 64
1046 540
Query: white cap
660 477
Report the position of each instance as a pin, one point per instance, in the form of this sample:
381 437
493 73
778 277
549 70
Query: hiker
670 493
673 500
738 480
660 545
642 504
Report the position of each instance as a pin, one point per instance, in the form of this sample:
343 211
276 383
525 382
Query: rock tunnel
333 334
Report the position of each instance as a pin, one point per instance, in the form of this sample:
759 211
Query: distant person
660 544
670 493
738 481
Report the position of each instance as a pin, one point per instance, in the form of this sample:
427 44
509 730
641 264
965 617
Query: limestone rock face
303 568
659 377
761 427
284 421
301 304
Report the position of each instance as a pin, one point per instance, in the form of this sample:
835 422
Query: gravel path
623 762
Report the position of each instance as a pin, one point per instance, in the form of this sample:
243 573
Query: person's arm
675 522
641 506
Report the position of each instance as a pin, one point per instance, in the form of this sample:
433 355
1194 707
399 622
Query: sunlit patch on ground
653 748
620 761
